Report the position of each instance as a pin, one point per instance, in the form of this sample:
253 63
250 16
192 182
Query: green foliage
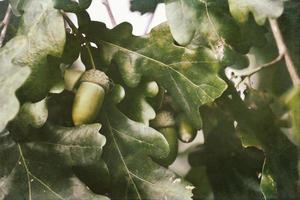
16 6
12 77
136 106
144 6
164 87
72 6
171 66
135 175
292 100
196 23
41 167
261 9
44 40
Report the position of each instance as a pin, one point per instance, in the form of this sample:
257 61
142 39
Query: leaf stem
109 11
283 50
87 44
4 24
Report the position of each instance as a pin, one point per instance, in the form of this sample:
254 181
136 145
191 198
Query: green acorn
186 133
117 94
89 96
164 122
151 89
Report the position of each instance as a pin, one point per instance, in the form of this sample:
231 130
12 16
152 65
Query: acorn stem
88 47
87 44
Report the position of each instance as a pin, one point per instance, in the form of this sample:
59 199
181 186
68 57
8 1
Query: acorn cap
163 119
97 77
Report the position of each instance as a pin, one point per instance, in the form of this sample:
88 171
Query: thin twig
251 72
109 11
282 53
283 50
4 25
87 44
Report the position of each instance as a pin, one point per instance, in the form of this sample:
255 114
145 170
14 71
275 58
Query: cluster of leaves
251 147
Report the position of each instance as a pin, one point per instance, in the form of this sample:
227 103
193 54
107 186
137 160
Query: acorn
117 94
89 96
165 124
151 89
186 132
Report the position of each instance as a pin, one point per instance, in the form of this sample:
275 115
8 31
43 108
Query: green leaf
139 109
231 169
268 184
134 174
8 154
72 145
72 6
256 118
3 8
12 77
198 177
60 108
136 105
34 114
290 28
261 9
16 6
197 23
144 6
45 37
190 76
194 19
292 100
71 50
42 168
30 117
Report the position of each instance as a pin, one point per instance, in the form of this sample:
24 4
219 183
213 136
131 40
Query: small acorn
89 96
151 89
186 133
165 123
117 94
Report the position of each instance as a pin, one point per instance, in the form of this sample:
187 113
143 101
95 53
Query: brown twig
109 11
282 53
252 71
4 25
248 73
283 50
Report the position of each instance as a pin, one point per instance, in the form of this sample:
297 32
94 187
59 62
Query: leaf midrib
160 63
122 158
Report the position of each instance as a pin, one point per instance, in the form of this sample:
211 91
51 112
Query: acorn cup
89 96
164 122
186 132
